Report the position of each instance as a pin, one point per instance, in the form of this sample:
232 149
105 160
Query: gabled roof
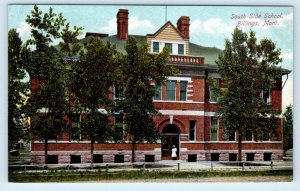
165 26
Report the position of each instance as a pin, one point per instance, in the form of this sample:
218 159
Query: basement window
119 158
75 159
97 158
232 157
250 156
149 158
267 156
215 156
192 158
52 159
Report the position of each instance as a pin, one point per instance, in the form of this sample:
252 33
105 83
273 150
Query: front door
166 146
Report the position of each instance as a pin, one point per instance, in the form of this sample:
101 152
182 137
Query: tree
248 68
17 89
139 68
48 102
94 75
288 128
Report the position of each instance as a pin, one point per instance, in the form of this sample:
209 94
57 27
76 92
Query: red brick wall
86 146
276 95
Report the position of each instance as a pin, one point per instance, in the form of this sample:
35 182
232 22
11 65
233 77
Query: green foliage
48 103
17 89
94 74
288 128
248 67
139 68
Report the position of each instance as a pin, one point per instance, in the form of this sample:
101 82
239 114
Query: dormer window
156 47
169 46
180 48
175 48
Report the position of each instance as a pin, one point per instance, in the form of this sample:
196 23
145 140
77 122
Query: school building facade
187 105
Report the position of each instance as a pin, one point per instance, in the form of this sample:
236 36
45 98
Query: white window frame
195 129
217 129
160 93
174 47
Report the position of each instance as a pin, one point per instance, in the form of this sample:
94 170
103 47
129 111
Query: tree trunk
92 150
240 148
46 151
133 151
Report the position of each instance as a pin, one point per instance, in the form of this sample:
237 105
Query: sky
209 25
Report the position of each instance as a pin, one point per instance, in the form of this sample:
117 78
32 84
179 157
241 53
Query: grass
79 176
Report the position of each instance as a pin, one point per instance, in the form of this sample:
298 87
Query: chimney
183 25
122 22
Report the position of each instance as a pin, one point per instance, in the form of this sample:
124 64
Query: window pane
231 136
214 129
155 46
192 130
183 89
119 92
266 95
158 92
118 136
214 92
169 45
171 87
75 128
180 49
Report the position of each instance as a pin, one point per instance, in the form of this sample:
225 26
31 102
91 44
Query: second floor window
158 92
119 92
266 95
75 128
214 92
171 90
183 90
118 120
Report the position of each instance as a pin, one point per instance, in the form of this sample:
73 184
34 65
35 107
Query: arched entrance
170 137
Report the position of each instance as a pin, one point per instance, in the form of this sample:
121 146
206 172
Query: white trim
160 94
217 129
182 112
175 78
168 101
210 114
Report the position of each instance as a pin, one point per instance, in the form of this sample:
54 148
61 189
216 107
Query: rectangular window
248 136
171 90
231 136
75 128
214 129
169 46
214 92
266 95
183 90
158 92
180 49
119 92
192 130
155 46
118 134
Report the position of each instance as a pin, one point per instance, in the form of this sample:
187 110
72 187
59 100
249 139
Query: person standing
174 153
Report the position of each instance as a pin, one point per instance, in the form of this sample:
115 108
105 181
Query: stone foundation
64 157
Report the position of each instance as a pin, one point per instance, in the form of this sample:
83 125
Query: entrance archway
170 137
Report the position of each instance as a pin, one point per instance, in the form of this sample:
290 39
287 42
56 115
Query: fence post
211 165
178 166
243 168
106 167
271 165
144 166
25 170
